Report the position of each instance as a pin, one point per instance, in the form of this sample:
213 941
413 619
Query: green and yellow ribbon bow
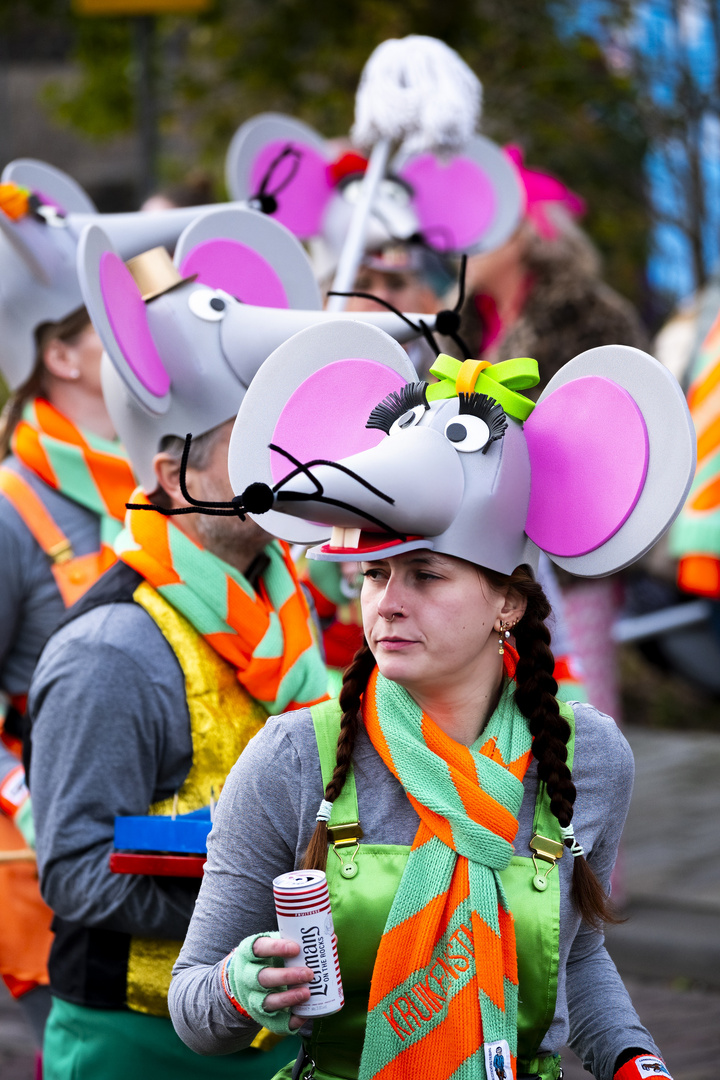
497 381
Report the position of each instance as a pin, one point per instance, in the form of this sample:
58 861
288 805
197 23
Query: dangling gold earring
504 636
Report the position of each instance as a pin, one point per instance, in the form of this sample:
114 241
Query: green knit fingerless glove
242 974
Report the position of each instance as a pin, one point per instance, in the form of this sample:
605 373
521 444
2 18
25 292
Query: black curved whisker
461 283
300 468
377 300
183 481
299 496
306 466
353 476
185 510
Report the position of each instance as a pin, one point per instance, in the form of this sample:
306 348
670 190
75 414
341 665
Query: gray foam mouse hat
183 339
471 202
38 248
468 466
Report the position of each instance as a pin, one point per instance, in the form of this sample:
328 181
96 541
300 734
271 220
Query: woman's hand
256 967
292 977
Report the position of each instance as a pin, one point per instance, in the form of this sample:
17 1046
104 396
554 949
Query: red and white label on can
302 903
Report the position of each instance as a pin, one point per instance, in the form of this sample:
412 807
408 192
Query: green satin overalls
363 880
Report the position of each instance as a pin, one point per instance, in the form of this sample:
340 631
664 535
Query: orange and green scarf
91 471
265 635
445 979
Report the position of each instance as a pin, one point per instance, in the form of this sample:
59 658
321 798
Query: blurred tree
671 51
546 87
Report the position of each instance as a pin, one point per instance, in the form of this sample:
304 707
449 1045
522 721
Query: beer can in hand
302 903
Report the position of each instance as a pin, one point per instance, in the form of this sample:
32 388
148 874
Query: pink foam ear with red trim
127 316
302 189
238 269
588 447
326 416
455 202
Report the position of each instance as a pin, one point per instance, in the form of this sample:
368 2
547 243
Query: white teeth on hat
344 538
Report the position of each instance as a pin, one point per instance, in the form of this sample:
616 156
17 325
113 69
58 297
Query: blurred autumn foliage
547 87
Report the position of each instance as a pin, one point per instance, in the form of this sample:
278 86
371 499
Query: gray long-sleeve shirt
264 821
110 736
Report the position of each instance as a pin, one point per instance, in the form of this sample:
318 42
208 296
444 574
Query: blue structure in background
659 41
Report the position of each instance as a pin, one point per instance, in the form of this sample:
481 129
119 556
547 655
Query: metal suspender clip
61 552
345 835
543 847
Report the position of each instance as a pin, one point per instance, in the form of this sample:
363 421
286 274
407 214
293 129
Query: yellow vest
223 719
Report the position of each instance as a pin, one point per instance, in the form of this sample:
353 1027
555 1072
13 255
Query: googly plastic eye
467 433
208 304
408 419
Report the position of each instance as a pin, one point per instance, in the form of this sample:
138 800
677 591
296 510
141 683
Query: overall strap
545 823
35 516
326 719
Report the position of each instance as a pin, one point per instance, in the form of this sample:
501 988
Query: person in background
167 668
414 278
542 295
410 277
64 481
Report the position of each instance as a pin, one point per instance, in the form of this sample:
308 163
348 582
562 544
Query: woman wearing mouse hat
441 792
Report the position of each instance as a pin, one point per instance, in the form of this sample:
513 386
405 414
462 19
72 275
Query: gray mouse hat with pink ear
38 249
471 202
183 346
337 438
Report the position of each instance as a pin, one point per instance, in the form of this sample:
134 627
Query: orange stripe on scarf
426 1058
419 942
112 475
247 615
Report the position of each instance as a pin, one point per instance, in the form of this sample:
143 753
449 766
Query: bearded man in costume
168 666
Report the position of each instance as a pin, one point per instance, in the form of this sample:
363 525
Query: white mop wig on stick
417 91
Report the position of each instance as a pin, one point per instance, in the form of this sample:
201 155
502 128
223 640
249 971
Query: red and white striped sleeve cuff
228 989
644 1065
13 791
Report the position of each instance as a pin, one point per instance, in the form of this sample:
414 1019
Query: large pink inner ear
238 269
455 202
127 316
589 456
326 416
299 183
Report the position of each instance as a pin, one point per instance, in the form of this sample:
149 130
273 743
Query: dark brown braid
355 679
536 698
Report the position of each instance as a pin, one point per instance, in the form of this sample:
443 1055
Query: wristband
13 791
241 972
644 1065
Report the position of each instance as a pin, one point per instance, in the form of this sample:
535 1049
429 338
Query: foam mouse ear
612 452
283 164
43 249
473 202
50 184
322 372
251 256
118 313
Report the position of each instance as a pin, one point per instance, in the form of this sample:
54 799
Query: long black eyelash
396 403
488 410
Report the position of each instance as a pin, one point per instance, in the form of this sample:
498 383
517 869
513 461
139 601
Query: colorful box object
182 834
